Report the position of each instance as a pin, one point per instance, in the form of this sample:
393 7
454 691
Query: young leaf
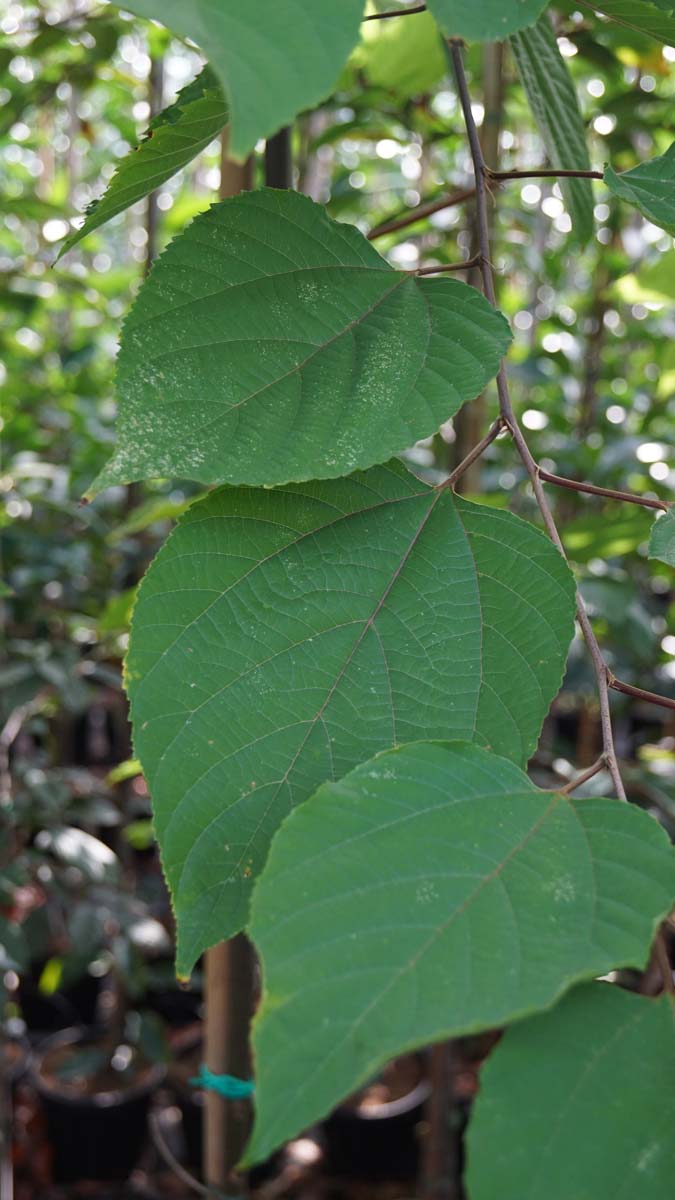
174 138
281 637
553 100
270 343
579 1102
485 20
274 59
656 20
650 187
434 891
662 540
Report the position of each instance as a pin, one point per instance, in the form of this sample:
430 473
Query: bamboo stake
229 966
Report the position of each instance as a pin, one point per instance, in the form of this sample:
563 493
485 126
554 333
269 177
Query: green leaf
274 59
175 137
281 637
595 536
662 540
270 343
579 1102
406 57
650 187
555 107
434 891
485 20
157 508
116 614
656 20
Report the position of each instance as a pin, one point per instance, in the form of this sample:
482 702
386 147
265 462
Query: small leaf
579 1102
175 137
270 343
662 540
281 637
650 187
434 891
555 107
274 59
406 57
485 20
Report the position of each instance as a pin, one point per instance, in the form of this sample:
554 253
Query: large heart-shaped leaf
274 58
579 1102
175 137
271 344
555 107
662 539
485 20
650 187
282 637
434 891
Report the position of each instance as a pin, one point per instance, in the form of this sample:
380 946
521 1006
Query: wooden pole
229 971
229 1003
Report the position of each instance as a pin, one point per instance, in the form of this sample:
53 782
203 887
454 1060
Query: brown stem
155 100
437 1151
420 214
396 12
471 420
639 693
583 778
458 266
493 432
610 493
509 417
542 173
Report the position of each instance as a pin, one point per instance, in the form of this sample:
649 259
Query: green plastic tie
225 1085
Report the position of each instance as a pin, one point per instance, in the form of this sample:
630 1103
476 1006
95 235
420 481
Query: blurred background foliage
592 370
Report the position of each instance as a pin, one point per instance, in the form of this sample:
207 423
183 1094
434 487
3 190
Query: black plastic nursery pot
379 1140
97 1135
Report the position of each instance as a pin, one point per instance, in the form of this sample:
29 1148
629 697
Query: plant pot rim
153 1076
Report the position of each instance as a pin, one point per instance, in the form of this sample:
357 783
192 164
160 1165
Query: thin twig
583 778
396 12
506 409
172 1162
393 224
542 173
639 693
610 493
493 432
458 266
